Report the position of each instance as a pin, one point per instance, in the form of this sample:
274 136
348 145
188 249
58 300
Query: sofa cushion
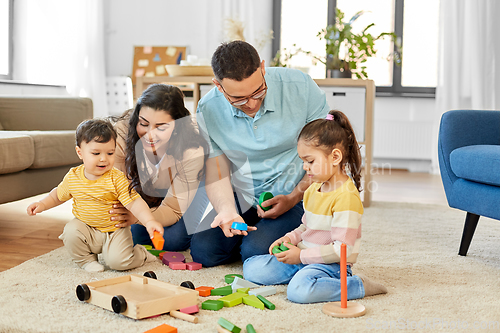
479 163
53 148
17 151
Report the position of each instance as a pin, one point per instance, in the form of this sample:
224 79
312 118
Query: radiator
403 140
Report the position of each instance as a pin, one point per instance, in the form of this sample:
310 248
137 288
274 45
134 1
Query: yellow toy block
243 290
232 299
252 300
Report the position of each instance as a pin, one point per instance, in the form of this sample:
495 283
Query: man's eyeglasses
259 94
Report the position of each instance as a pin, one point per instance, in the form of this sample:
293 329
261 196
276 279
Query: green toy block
230 277
222 291
283 247
155 252
252 300
263 197
228 325
214 305
250 329
276 249
148 247
232 299
266 302
243 290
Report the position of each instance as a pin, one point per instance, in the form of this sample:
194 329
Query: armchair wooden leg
469 228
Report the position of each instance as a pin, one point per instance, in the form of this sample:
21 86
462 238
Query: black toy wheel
119 304
187 284
82 292
150 274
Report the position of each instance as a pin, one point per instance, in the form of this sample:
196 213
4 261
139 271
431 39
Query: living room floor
22 239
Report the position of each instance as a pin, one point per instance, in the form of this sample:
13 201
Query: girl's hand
290 256
279 241
35 208
224 221
152 226
124 218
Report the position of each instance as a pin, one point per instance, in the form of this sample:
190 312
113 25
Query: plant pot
337 74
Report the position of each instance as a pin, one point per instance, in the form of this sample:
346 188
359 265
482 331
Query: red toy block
164 328
190 309
161 255
193 266
177 265
158 240
204 291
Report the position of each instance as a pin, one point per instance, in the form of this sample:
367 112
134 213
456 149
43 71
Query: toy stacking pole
343 277
343 309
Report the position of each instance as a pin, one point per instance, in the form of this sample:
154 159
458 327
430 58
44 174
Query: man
252 119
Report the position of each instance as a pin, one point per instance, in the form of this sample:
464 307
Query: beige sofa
37 142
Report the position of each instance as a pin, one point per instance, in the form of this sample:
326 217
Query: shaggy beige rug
410 248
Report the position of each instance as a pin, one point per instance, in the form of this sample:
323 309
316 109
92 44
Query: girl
163 155
333 211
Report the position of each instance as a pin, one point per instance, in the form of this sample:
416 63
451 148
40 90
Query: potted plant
346 51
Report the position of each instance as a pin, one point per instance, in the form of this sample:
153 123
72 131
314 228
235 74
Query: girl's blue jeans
306 283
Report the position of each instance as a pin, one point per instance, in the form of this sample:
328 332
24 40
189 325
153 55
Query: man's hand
280 205
124 218
35 208
224 221
290 256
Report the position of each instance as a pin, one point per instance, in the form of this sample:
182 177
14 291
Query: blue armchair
469 160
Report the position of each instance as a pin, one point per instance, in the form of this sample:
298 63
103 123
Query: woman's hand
224 221
290 256
152 226
280 205
124 217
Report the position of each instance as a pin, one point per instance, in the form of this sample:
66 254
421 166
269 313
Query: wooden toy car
138 296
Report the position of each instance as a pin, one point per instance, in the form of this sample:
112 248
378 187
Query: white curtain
469 58
61 42
255 17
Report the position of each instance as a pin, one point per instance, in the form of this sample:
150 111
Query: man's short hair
236 60
99 130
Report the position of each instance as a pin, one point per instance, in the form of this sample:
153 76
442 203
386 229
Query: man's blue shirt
263 149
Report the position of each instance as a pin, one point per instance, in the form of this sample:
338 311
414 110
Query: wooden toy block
148 247
173 257
222 291
241 283
264 291
193 266
283 247
239 226
232 299
158 240
222 330
204 291
164 328
214 305
161 255
243 290
276 249
224 323
250 329
252 300
266 302
177 265
263 197
136 296
184 316
190 309
230 277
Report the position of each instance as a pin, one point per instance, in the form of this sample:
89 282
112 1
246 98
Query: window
5 39
415 22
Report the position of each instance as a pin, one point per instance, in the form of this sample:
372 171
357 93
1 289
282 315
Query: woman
163 155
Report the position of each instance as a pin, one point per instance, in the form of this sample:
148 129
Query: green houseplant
346 51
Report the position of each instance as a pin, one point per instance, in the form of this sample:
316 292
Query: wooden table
193 83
